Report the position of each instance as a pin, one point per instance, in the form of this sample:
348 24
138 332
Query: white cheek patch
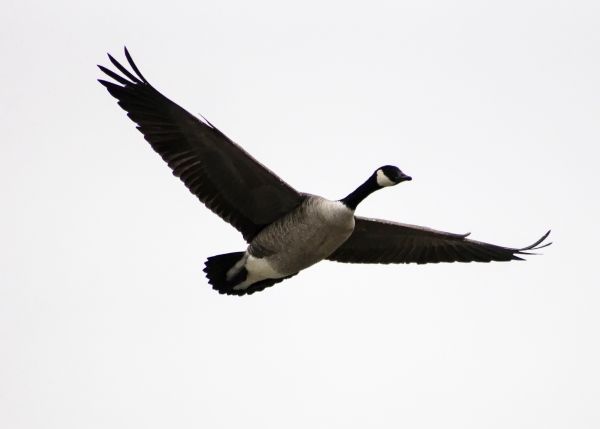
383 180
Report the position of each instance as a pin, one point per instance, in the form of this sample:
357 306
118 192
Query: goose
286 231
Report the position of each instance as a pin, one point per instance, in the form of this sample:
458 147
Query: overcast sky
106 319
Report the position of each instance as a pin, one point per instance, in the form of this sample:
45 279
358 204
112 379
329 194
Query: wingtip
541 240
536 246
134 66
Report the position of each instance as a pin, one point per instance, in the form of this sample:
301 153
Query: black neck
360 193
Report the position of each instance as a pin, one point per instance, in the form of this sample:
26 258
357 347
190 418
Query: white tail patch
258 269
232 272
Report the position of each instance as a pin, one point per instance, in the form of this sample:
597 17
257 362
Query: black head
388 175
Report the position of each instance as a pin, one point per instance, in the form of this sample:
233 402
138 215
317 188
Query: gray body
301 238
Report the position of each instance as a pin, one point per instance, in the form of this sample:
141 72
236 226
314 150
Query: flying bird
286 230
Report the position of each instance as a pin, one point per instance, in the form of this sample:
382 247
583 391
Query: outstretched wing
220 173
379 241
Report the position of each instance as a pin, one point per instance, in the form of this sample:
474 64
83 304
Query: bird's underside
250 197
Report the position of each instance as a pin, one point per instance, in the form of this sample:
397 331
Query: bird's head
389 175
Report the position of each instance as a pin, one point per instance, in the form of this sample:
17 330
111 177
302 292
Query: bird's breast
305 236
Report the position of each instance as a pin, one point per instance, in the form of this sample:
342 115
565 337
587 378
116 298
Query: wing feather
221 174
380 241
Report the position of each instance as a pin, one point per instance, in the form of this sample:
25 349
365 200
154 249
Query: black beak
404 178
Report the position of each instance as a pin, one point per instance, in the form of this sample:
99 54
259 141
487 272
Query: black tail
216 268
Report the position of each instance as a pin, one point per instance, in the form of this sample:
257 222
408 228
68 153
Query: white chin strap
383 180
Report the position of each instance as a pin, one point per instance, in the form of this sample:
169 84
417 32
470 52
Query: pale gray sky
106 319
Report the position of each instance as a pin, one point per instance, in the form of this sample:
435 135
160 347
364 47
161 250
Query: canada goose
286 230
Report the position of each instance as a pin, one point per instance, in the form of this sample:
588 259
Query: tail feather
216 268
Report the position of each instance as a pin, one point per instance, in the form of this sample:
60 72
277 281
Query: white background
106 319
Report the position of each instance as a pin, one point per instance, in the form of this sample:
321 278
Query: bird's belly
305 238
298 252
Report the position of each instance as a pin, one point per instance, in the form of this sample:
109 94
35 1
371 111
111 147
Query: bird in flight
286 230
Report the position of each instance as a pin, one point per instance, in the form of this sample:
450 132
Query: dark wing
379 241
220 173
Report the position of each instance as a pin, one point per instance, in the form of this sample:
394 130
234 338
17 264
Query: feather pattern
385 242
221 174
